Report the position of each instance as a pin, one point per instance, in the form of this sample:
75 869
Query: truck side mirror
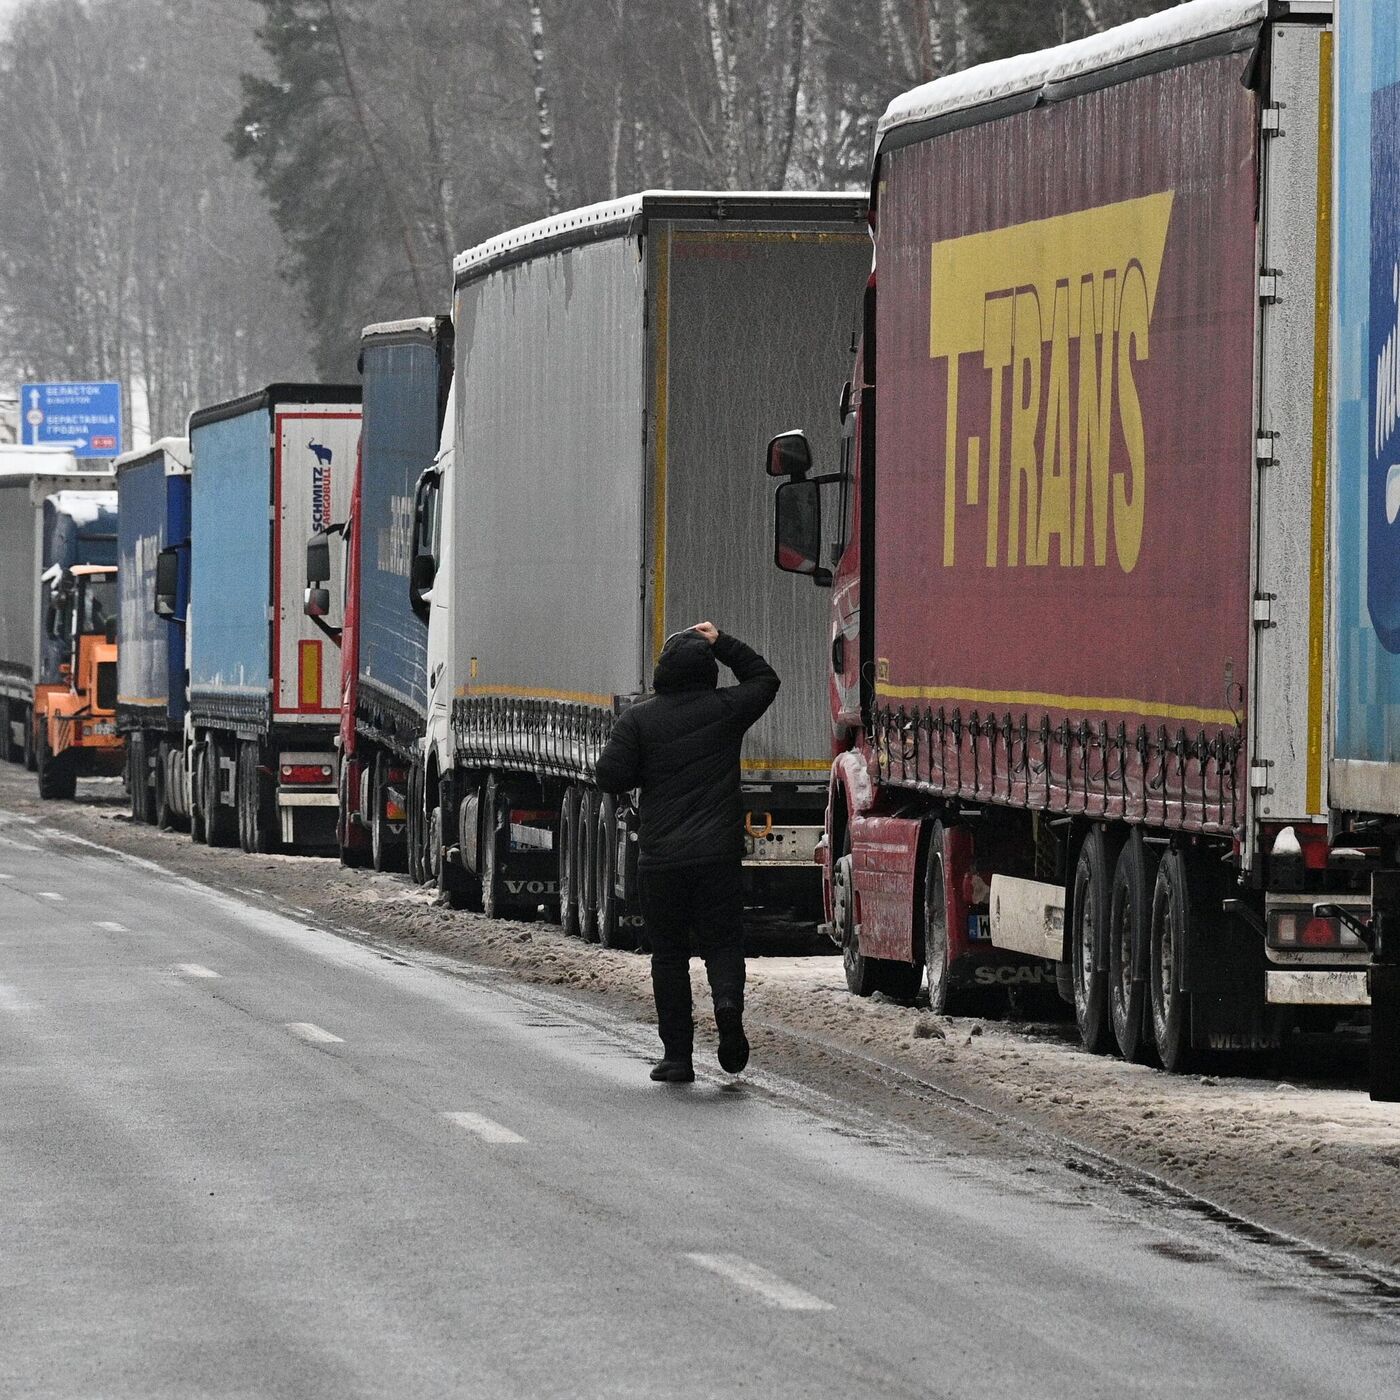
790 455
318 602
797 530
167 582
422 570
318 560
421 575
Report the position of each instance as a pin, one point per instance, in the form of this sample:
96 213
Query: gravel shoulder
1303 1152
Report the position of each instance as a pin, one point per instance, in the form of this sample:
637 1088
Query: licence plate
979 928
102 728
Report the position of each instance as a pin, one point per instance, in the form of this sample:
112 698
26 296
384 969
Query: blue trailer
406 367
268 470
153 492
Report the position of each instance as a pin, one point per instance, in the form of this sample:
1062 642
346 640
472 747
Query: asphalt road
241 1156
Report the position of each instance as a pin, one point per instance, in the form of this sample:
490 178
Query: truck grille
106 685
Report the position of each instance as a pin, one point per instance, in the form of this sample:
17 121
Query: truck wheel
198 832
135 762
417 835
257 804
490 850
219 821
1129 933
588 865
160 789
936 960
568 869
12 752
352 856
1171 925
31 740
611 934
859 970
385 844
456 886
1089 940
58 780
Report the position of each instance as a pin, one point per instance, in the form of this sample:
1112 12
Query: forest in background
201 196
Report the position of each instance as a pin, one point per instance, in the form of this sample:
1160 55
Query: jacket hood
687 662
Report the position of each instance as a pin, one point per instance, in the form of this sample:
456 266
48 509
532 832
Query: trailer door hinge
1264 453
1271 120
1259 774
1270 280
1264 609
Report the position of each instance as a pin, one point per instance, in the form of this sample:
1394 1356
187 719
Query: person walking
681 748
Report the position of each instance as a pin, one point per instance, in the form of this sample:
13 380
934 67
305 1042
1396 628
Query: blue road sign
84 417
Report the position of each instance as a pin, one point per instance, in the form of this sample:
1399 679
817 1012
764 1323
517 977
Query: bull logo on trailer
1383 495
321 485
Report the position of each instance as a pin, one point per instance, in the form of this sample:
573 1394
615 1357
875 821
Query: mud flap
1225 969
1384 981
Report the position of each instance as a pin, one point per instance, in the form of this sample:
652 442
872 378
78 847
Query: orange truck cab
75 718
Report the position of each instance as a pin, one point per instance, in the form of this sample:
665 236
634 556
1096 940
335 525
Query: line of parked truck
1096 688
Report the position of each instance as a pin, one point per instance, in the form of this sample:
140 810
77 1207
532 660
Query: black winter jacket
682 748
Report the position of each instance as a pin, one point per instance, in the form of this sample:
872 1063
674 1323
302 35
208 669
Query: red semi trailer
1079 633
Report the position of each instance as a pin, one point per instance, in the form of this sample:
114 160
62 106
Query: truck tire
258 830
135 762
386 846
1129 936
220 827
588 865
936 963
860 971
58 778
352 855
12 752
1170 938
611 934
166 817
1089 911
31 740
455 886
416 828
198 832
568 868
491 902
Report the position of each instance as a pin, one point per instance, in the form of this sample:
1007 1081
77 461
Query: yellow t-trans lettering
1085 281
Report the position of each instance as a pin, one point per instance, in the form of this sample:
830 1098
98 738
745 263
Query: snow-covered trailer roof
423 325
177 449
1026 80
614 216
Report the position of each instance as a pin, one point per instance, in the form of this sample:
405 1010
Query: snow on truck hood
1011 77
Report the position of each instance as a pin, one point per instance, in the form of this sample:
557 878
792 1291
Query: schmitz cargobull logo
321 485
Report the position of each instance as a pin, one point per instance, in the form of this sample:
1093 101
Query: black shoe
733 1043
673 1072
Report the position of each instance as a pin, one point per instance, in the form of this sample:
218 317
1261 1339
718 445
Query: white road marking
776 1292
484 1128
57 898
195 970
313 1033
12 999
111 927
6 877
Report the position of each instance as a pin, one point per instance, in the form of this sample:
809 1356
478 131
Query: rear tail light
1308 932
317 773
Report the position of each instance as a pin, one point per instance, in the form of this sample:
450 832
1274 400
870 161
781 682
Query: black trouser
695 910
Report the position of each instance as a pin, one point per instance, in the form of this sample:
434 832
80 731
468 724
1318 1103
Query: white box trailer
619 370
